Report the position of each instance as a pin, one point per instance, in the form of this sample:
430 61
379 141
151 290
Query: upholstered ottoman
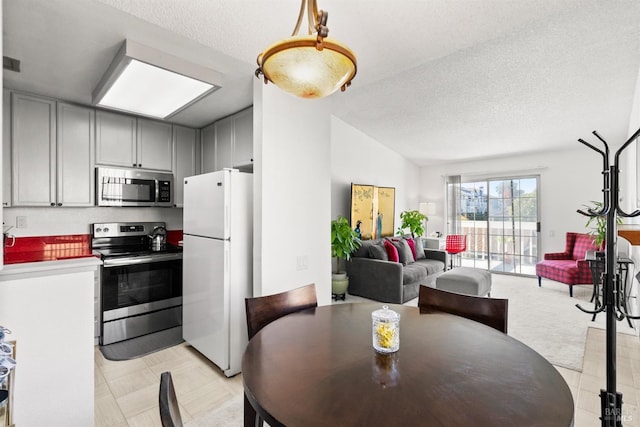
465 280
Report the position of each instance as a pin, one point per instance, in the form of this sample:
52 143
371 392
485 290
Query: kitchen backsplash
66 221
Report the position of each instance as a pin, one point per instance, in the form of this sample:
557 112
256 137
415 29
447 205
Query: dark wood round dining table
318 367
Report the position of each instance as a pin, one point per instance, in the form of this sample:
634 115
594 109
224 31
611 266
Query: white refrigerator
217 264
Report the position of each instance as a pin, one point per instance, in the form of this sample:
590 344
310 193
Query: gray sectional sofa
372 276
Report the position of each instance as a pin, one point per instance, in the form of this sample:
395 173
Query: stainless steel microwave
133 187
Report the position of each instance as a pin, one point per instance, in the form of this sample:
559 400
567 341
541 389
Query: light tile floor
126 393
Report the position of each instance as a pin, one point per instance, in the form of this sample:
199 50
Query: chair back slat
489 311
263 310
169 410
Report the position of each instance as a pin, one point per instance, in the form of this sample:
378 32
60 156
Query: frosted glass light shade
427 208
296 66
152 91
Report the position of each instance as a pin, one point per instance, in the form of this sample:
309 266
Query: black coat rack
613 298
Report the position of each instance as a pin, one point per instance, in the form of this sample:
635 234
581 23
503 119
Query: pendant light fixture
308 66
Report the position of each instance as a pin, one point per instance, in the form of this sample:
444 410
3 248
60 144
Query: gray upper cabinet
228 143
116 140
125 141
33 150
208 151
224 143
51 152
186 159
243 138
155 145
75 183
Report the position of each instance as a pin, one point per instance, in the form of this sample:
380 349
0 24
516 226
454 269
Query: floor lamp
428 209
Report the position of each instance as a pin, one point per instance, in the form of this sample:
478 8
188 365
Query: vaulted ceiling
438 80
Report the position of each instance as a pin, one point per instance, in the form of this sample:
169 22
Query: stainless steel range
141 280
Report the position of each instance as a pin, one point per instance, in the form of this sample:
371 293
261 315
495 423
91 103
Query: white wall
632 188
568 179
58 221
292 182
359 159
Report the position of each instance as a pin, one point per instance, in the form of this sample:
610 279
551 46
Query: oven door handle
141 260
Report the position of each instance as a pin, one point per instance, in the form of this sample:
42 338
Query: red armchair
568 267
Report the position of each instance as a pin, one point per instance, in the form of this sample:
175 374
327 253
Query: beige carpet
547 320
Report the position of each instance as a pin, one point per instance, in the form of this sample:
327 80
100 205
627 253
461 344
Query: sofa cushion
392 252
412 245
413 274
564 271
431 266
583 243
363 250
419 248
405 256
378 252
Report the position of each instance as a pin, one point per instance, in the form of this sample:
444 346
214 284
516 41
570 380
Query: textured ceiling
438 80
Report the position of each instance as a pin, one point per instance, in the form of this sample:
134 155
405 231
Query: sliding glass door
500 220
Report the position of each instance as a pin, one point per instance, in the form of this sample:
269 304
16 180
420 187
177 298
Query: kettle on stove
158 238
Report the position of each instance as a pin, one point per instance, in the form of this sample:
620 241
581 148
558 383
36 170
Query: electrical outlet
302 262
21 222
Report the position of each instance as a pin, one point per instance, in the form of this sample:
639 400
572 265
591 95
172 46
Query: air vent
11 64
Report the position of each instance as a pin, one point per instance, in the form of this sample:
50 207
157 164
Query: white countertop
17 271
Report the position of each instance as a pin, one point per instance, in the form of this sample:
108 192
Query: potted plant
413 220
344 241
599 230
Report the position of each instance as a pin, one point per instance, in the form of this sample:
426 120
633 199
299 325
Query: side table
434 242
597 265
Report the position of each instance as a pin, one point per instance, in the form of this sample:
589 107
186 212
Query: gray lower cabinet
51 152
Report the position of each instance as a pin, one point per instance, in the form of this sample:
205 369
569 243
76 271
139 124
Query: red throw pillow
412 245
392 252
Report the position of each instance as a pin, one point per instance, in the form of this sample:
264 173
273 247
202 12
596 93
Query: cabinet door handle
59 204
134 165
139 165
53 204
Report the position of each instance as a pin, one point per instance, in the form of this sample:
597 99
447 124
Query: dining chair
169 410
455 244
489 311
263 310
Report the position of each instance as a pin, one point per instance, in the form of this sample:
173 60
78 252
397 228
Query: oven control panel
122 229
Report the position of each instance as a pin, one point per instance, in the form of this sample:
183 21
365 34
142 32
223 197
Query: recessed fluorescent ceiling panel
145 81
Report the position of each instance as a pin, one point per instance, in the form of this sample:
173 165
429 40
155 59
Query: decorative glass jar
385 330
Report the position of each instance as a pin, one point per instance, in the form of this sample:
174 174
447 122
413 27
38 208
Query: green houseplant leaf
414 221
344 240
598 225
